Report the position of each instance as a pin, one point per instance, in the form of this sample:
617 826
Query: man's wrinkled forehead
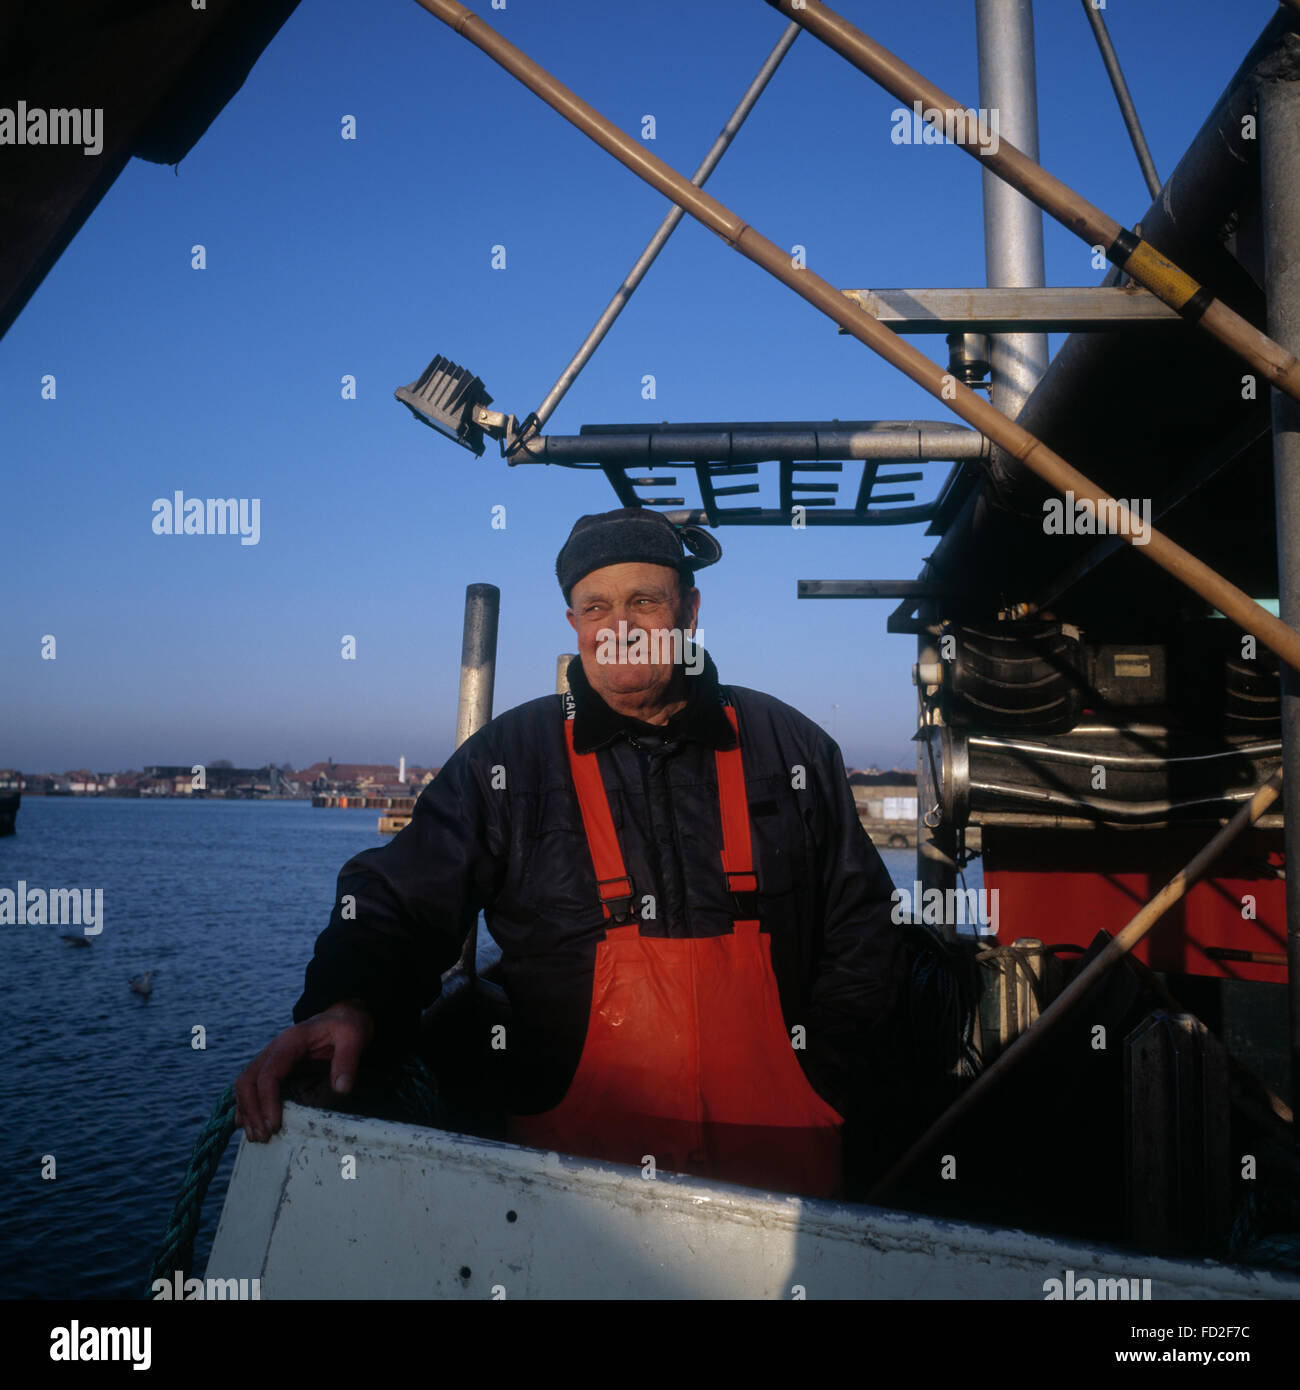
615 580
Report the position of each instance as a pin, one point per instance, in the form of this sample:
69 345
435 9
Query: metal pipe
1250 957
1013 226
478 659
478 668
666 228
1034 820
1106 808
775 516
902 441
1049 753
1232 602
1140 260
1119 945
1116 74
1279 153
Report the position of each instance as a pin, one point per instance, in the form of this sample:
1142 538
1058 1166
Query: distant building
885 796
351 774
373 779
161 779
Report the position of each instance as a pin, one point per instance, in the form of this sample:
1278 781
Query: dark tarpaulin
159 70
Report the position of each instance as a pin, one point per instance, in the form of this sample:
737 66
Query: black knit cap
632 534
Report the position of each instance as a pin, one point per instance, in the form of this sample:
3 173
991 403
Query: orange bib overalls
687 1060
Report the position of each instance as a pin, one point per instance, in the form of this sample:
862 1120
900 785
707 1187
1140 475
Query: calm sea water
223 901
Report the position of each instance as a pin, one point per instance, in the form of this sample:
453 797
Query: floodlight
453 401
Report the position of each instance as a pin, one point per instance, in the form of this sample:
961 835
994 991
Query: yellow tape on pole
1159 275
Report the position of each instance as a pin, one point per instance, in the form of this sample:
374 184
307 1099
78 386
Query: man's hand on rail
340 1033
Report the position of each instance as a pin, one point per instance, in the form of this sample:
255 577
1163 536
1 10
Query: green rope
177 1251
413 1093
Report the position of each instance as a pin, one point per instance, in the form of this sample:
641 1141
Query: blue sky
328 257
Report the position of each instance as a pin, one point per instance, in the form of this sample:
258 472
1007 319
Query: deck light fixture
451 400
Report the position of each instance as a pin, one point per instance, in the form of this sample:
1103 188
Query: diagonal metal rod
1116 74
660 239
1231 601
1137 258
1146 918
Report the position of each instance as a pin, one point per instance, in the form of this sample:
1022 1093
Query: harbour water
222 901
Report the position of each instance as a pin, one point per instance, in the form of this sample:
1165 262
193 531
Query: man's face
630 621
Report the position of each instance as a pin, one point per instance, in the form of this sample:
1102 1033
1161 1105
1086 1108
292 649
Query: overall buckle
618 903
743 888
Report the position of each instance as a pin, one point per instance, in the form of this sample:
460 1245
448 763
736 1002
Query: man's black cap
628 535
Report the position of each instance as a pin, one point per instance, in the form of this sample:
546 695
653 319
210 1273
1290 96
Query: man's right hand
341 1033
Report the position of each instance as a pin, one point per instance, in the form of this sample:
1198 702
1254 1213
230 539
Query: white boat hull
428 1215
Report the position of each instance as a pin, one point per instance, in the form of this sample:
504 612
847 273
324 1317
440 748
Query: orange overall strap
612 881
737 850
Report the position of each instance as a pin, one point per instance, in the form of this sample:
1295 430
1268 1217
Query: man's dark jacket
499 830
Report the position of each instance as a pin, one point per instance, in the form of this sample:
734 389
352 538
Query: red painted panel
1065 886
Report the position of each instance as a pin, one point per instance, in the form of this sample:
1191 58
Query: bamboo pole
1232 602
1139 259
1118 946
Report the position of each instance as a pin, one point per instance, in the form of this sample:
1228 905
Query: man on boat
695 931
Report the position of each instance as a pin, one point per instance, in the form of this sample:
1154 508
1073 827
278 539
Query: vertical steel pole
1013 226
1013 257
1279 121
478 659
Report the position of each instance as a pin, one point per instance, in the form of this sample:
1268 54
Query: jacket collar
595 724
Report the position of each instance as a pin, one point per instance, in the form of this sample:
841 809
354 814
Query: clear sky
365 257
